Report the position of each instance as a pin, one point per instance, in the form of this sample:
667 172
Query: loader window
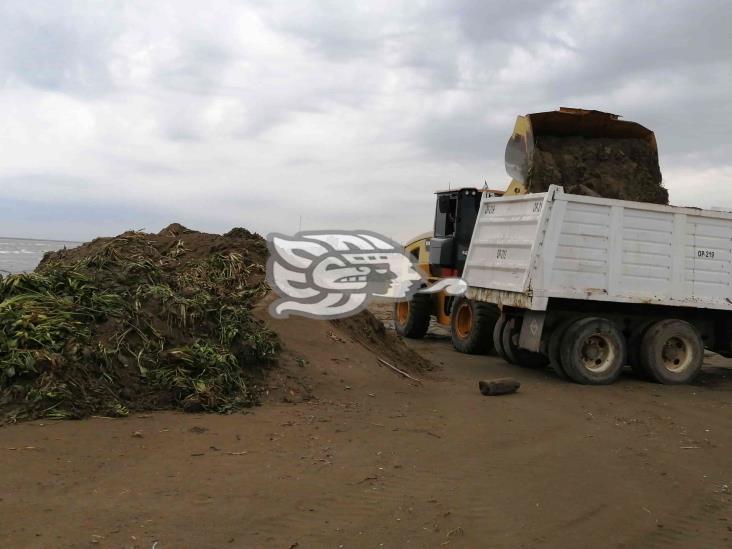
468 212
445 220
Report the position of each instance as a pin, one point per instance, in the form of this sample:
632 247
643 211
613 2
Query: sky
319 114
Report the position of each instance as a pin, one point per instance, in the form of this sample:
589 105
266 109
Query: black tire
555 347
415 322
477 338
515 354
498 336
672 351
634 342
593 351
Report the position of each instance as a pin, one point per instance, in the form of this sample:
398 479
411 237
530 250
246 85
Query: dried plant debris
136 322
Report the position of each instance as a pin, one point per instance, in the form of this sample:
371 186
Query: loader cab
455 215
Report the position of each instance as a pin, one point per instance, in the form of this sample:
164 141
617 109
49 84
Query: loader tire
517 355
593 351
471 326
672 351
412 318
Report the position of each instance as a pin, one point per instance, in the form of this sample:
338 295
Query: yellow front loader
441 254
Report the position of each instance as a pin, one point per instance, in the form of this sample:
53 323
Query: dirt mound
158 321
626 169
174 247
175 229
326 360
137 321
370 332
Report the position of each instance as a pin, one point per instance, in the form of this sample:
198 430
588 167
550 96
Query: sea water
18 255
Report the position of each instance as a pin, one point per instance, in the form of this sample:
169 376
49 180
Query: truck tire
498 337
672 351
634 342
555 347
515 354
412 318
471 326
593 351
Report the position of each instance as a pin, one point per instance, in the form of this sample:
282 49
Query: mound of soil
138 321
370 332
337 360
625 169
191 246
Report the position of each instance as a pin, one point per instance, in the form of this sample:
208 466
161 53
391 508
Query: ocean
20 255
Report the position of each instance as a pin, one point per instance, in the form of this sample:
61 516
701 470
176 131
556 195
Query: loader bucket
566 122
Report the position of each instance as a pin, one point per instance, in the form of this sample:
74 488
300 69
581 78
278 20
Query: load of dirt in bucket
138 321
626 169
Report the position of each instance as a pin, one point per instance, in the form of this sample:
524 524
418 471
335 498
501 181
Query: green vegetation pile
626 169
136 322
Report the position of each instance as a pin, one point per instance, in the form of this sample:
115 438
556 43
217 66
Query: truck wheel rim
597 353
402 312
464 321
676 354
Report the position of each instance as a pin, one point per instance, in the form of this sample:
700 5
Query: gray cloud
197 69
53 45
255 113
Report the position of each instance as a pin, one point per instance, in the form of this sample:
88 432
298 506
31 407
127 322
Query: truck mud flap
531 329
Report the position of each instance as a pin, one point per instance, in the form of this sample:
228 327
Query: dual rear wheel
672 352
593 351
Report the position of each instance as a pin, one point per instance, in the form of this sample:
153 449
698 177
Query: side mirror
443 204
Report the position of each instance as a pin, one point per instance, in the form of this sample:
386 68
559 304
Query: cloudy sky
120 115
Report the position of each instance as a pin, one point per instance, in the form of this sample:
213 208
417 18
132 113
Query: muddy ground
348 453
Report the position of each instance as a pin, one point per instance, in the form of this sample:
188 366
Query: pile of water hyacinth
136 322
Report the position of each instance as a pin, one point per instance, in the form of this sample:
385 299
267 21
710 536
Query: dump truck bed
528 249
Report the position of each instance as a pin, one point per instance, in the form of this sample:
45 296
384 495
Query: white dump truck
591 284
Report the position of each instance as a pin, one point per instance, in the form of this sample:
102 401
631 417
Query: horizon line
41 239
